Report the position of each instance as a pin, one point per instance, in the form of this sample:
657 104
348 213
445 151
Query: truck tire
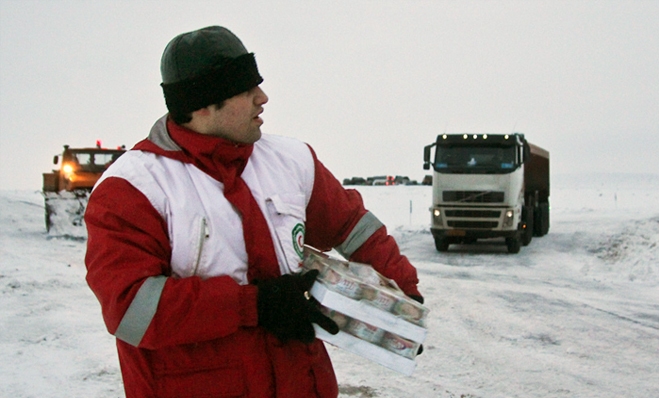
514 244
544 211
541 219
441 244
527 233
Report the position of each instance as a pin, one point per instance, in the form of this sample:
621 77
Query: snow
574 314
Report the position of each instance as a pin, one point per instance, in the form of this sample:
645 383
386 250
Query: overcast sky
366 83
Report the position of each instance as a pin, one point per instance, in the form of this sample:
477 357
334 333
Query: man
195 240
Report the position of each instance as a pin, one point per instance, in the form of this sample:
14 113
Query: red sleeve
128 243
333 212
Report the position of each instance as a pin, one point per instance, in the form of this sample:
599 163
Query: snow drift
575 313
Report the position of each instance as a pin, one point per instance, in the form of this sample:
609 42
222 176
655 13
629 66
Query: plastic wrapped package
376 319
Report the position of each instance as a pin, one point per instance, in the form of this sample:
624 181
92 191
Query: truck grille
473 196
472 224
473 213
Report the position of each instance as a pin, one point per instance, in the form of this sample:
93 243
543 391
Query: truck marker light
465 136
484 136
475 136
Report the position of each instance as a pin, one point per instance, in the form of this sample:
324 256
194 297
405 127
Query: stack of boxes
376 319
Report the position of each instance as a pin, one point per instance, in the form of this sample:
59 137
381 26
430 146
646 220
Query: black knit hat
205 67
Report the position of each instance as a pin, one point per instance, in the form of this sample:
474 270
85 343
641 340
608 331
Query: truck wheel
527 234
537 222
514 244
541 218
441 244
544 211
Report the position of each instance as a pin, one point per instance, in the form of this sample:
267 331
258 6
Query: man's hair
182 118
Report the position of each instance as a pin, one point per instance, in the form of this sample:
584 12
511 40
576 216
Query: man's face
238 119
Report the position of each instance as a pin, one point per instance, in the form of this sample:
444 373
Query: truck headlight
437 216
508 218
67 169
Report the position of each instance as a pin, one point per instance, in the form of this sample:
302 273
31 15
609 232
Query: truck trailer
487 186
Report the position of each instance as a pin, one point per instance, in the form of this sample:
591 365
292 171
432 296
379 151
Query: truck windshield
476 159
95 161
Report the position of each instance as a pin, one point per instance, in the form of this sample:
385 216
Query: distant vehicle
380 180
356 181
70 184
384 180
488 186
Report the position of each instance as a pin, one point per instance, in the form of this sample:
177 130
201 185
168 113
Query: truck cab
484 187
66 188
79 168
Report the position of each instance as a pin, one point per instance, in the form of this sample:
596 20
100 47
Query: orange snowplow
66 189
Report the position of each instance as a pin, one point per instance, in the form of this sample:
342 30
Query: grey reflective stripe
359 234
159 136
141 311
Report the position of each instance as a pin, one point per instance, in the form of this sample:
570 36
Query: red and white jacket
167 258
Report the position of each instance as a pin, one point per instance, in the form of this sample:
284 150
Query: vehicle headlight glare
508 218
437 216
67 169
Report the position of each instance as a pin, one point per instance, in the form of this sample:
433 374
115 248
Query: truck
66 188
487 186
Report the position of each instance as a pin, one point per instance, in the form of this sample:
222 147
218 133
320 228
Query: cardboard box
367 350
359 309
376 320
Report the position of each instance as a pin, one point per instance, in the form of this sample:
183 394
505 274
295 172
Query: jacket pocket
224 381
287 213
188 247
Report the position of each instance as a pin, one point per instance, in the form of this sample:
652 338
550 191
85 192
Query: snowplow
66 189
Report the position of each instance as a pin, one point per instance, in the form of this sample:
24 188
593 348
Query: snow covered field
574 314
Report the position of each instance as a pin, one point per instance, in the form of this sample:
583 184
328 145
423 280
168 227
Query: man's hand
285 311
420 300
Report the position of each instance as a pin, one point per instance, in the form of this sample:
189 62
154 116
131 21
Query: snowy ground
574 314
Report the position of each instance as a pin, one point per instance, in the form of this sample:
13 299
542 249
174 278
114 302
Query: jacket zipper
276 240
203 235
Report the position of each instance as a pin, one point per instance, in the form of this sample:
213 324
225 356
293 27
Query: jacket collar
214 155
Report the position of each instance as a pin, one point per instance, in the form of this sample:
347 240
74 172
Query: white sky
366 83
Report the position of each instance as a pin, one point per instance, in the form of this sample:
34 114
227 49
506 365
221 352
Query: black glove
285 312
418 299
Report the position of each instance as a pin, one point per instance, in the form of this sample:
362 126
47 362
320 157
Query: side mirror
55 159
426 156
